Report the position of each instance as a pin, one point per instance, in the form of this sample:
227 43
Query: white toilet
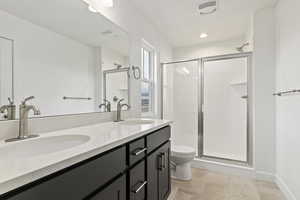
181 158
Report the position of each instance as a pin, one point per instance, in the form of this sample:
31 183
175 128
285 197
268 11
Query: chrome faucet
119 109
10 109
23 120
106 105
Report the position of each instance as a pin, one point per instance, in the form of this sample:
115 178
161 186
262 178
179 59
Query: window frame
149 81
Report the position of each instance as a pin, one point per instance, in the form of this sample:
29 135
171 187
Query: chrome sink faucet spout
23 120
119 109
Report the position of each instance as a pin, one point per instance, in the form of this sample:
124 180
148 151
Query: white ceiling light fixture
203 35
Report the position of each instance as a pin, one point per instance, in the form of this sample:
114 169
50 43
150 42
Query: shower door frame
200 97
249 156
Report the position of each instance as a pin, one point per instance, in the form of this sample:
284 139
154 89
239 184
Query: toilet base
182 172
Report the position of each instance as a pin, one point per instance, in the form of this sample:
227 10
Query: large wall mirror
59 52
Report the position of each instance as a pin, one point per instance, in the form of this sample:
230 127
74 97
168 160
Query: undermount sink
136 122
41 146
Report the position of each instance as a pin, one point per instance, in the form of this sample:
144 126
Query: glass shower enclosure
208 99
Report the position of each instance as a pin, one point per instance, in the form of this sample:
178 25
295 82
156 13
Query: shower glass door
180 101
224 105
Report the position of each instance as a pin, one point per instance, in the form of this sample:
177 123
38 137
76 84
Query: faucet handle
11 102
119 102
27 99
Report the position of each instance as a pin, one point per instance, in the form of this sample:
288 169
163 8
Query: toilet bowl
181 158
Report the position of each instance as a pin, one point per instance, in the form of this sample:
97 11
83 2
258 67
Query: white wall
5 71
50 66
263 87
288 108
130 19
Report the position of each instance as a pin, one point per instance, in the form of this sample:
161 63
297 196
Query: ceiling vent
208 7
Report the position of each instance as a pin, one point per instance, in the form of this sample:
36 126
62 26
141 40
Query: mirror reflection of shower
241 49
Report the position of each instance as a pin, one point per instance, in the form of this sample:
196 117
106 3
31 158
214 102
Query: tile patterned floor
208 185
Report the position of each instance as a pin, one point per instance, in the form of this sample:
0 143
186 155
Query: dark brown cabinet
138 182
158 173
138 170
114 191
164 182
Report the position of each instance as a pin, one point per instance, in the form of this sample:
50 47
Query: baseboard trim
233 169
265 176
284 188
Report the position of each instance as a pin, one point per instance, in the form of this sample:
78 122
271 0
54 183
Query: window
147 87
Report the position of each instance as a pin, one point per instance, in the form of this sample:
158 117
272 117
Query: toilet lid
182 150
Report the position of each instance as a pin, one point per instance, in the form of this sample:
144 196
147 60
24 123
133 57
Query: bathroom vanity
132 164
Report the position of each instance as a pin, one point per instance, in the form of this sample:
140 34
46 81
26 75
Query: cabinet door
164 172
138 182
158 173
115 191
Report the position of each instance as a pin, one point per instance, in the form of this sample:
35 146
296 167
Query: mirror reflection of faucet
119 109
106 105
118 66
115 99
23 120
10 110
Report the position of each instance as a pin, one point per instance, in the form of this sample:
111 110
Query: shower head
241 48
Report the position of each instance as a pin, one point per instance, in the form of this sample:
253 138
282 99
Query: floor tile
207 185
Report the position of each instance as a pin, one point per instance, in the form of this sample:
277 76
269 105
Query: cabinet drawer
138 182
157 138
137 151
81 181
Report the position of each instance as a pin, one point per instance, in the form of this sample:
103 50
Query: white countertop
103 137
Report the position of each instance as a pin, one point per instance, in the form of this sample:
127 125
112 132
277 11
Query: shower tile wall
181 102
225 109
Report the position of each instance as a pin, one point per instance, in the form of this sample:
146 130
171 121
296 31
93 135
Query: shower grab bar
77 98
286 92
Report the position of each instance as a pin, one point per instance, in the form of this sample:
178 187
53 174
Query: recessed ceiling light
203 35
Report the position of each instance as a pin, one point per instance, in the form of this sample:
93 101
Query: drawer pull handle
139 151
143 184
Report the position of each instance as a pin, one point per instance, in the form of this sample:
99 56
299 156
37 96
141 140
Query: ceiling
72 19
182 24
